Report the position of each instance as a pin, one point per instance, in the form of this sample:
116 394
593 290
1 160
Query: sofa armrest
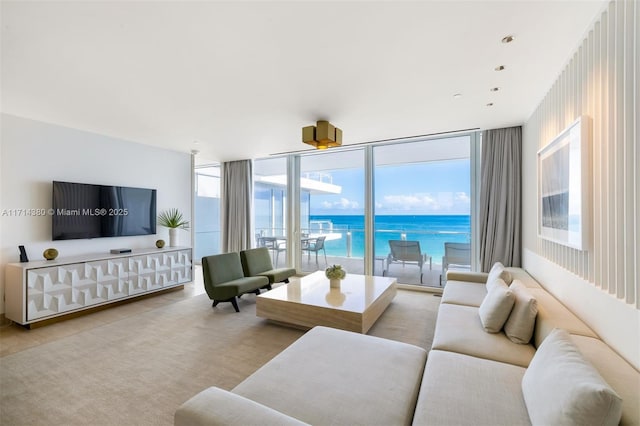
215 406
475 277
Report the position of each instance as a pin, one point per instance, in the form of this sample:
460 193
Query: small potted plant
335 273
173 220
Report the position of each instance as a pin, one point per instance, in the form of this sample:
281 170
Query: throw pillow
498 271
522 319
496 306
561 387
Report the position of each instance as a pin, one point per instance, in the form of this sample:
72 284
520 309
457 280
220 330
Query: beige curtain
500 198
236 197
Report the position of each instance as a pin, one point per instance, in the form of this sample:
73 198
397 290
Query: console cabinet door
180 264
109 281
54 290
142 274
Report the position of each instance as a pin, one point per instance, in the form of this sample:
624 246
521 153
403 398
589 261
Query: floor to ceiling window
421 197
207 211
269 206
332 217
422 208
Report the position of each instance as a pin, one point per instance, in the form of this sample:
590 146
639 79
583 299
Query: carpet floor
138 370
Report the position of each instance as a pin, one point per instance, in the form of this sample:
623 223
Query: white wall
33 154
602 284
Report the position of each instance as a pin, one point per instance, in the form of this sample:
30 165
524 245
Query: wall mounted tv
82 210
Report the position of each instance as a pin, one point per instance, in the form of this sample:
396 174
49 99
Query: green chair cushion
255 261
278 275
237 287
222 268
258 262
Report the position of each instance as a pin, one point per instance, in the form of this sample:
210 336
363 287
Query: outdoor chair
457 255
257 262
404 252
275 245
224 279
315 245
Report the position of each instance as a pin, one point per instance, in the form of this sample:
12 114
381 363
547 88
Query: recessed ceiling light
499 68
457 95
490 104
508 39
494 89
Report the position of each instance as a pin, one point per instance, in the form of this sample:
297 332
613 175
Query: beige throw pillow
522 319
498 271
496 306
561 387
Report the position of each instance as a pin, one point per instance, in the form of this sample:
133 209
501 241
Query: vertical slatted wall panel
630 117
635 142
601 81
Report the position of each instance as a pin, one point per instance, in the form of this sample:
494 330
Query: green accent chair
224 279
257 262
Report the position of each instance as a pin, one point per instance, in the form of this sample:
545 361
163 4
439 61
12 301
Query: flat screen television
82 210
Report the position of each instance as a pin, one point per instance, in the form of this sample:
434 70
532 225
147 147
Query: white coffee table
310 301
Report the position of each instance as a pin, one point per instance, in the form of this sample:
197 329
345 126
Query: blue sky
440 188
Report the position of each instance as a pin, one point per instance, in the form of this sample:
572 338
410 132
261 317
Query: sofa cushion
464 293
496 307
523 276
328 376
561 388
553 314
458 329
617 372
214 406
498 271
465 390
467 276
522 319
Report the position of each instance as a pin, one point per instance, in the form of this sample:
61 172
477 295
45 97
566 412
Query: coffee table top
356 292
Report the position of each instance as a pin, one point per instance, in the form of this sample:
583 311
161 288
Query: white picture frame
563 186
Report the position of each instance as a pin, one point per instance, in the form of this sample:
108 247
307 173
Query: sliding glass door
207 211
269 206
332 210
422 206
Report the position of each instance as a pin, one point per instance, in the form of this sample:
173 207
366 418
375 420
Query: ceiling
238 80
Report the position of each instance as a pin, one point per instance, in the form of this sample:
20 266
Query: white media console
41 290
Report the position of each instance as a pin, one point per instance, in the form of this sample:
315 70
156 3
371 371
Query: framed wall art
563 186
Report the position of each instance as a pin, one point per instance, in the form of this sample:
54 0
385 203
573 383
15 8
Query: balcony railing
345 245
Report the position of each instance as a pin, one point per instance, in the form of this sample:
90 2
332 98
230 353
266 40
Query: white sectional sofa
470 376
481 373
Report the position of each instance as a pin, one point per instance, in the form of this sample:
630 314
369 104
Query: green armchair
257 262
224 279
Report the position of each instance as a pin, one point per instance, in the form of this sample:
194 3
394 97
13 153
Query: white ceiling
242 78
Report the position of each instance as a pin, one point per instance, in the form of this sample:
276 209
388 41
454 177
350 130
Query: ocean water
431 231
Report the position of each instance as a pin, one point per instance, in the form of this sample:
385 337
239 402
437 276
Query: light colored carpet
138 370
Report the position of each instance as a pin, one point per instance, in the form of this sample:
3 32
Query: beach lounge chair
406 252
457 255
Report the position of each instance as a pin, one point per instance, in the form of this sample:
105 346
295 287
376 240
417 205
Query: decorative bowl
50 254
